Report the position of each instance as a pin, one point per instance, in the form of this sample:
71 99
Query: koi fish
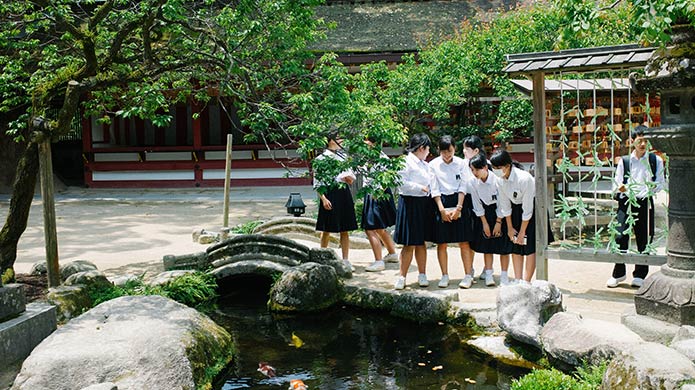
266 369
297 384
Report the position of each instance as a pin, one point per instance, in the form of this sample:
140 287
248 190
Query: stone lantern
669 295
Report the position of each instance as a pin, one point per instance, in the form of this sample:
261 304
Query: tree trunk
18 214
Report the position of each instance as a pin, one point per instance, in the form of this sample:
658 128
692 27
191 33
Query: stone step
20 335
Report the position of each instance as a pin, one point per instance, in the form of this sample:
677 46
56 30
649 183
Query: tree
136 58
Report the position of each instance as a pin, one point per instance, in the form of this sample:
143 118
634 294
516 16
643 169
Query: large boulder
74 267
523 309
307 287
648 366
572 339
135 342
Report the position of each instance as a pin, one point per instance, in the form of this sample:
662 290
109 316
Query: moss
7 276
209 351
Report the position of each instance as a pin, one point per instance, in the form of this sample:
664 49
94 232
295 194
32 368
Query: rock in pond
307 287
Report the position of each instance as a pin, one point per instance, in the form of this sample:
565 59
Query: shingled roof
382 27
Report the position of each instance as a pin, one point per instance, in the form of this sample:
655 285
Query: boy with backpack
637 172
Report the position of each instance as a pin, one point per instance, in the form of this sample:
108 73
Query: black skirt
454 231
342 216
530 247
414 220
497 245
378 213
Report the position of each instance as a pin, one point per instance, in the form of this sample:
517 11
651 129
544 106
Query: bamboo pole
49 214
227 177
541 174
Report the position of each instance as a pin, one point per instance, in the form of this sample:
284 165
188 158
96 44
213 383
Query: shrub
551 379
587 377
197 290
247 227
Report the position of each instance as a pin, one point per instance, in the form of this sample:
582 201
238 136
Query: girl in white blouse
414 215
516 195
336 207
490 230
449 193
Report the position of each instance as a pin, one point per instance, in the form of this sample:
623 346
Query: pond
346 348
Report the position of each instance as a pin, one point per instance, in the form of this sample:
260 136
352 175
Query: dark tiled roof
579 60
396 26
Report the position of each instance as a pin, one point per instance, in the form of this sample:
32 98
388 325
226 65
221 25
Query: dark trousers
644 233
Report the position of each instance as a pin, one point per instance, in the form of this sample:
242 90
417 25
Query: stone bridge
254 254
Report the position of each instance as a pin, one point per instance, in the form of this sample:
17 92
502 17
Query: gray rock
684 341
308 287
648 366
369 298
122 280
74 267
420 307
208 238
167 276
650 329
571 339
87 278
70 301
102 386
523 308
498 348
39 268
135 342
328 256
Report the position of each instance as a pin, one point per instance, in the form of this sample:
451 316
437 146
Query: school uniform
414 217
516 197
448 184
484 196
341 218
378 213
640 173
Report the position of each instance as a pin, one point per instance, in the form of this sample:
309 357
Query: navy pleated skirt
378 213
342 216
454 231
414 220
530 247
497 245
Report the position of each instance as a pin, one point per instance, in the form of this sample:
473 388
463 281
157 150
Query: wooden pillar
227 179
541 173
49 213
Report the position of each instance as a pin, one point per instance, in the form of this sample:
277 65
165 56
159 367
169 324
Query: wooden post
541 174
227 176
49 212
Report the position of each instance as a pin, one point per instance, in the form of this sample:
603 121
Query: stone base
20 335
12 301
669 296
650 329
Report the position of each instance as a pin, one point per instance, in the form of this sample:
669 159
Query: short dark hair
638 131
473 142
478 161
502 158
445 142
417 141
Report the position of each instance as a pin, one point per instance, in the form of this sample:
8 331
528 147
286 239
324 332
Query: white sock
503 273
488 272
378 261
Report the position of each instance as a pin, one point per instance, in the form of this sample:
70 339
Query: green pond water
347 348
